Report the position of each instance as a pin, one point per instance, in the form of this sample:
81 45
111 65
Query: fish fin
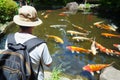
111 54
72 51
119 49
98 72
78 40
92 73
107 53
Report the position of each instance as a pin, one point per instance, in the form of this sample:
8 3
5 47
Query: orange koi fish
76 33
49 11
77 49
62 14
57 39
95 67
80 28
110 35
117 46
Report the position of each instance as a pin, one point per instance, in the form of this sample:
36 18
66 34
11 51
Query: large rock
110 73
72 7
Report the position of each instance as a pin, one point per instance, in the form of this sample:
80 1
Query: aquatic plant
56 73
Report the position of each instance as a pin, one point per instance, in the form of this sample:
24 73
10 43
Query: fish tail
111 63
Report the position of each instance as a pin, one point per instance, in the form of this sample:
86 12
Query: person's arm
47 59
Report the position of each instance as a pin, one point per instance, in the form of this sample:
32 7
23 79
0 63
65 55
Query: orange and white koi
106 50
110 35
108 27
78 49
80 38
56 38
95 67
104 26
76 33
117 46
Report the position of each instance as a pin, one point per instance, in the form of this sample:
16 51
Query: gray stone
110 73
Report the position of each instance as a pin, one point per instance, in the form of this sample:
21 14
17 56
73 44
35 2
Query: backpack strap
31 43
11 39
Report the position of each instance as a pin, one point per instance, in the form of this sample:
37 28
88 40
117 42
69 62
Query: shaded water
72 63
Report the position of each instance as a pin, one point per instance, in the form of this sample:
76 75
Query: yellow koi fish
46 16
77 49
95 67
56 38
110 35
76 33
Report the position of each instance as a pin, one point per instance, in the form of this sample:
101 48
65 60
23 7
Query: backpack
15 63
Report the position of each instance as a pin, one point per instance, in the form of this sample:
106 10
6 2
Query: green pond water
72 63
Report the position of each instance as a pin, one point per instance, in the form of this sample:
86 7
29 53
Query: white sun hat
27 16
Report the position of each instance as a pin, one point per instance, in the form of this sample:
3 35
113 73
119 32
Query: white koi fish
93 48
58 26
76 33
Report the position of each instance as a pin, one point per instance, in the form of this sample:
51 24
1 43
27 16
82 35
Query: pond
58 24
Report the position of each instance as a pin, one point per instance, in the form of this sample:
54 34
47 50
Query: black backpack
15 63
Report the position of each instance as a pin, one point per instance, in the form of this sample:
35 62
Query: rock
72 7
110 73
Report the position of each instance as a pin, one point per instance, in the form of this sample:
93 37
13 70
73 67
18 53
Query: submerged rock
110 73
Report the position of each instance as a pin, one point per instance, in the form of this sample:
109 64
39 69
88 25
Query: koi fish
57 39
46 16
110 35
99 22
76 33
93 48
80 28
58 26
104 26
77 49
108 27
106 50
117 46
62 14
95 67
80 38
49 11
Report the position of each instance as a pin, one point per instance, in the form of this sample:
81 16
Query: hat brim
18 21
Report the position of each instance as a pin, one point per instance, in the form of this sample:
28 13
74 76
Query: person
27 19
